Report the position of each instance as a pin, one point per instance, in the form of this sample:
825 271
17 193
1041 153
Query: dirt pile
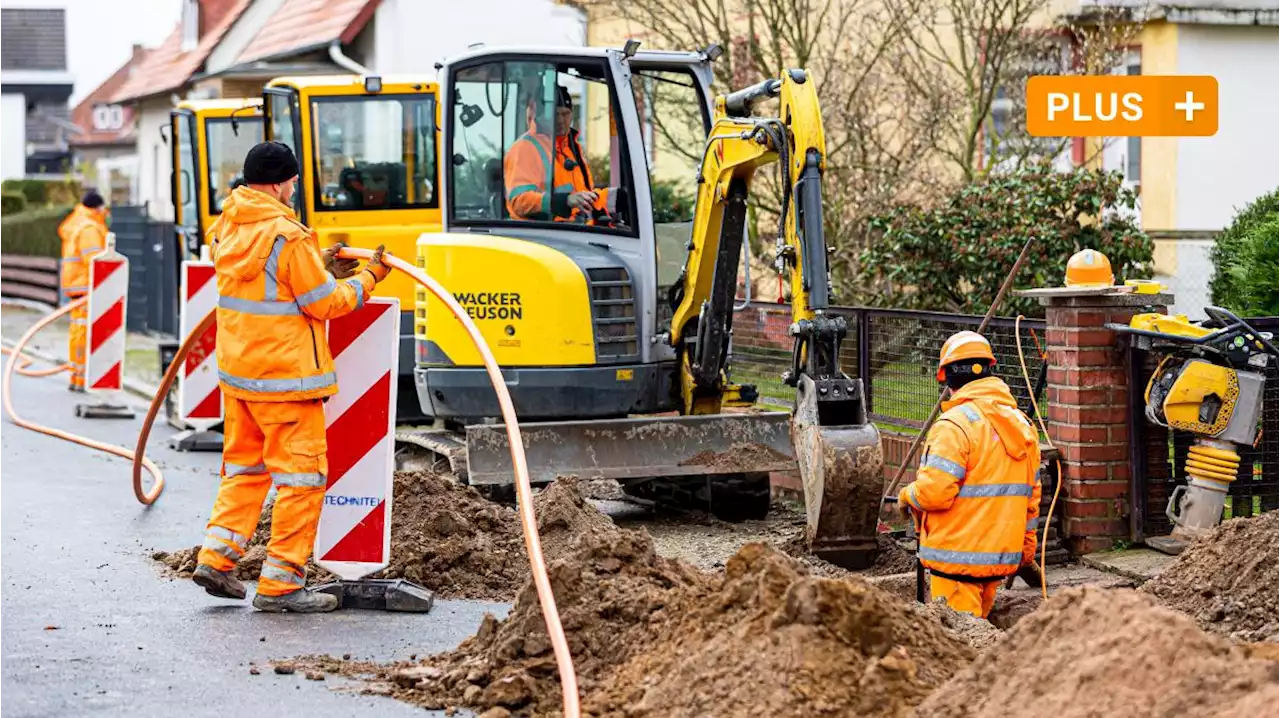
1227 580
445 537
654 636
976 632
1093 652
891 559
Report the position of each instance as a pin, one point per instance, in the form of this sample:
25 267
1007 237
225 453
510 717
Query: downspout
341 60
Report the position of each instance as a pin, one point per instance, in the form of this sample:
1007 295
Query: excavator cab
609 302
210 140
367 146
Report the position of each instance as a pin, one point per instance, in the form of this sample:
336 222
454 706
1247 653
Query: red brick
1097 489
1057 337
1118 434
1092 527
1079 472
1078 397
1099 377
1058 415
1084 338
1120 472
1092 452
1082 434
1079 545
1077 508
1102 414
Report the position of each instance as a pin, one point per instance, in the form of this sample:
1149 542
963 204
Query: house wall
13 139
154 158
1220 174
404 43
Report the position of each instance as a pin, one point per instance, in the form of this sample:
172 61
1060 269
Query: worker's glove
584 201
338 267
375 265
1029 573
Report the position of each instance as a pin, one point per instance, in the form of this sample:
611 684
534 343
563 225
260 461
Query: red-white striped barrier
199 399
105 333
354 536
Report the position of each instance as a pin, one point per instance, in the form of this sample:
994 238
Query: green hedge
40 193
12 203
1246 272
33 233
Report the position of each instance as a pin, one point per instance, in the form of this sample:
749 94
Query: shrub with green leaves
33 233
40 192
953 256
1246 277
12 203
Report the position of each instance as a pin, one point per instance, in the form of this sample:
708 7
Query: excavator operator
976 497
526 171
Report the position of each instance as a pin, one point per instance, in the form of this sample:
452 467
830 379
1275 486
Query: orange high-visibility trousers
76 343
972 598
267 444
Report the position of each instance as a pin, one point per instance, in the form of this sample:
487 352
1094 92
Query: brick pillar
1088 399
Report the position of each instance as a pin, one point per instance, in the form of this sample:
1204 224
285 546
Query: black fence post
864 355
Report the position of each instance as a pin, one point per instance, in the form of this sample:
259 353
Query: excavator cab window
185 166
519 151
281 119
227 149
375 152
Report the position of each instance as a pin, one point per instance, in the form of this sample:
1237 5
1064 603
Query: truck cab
367 146
211 138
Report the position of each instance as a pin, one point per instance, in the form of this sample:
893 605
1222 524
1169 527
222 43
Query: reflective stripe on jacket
525 171
978 485
274 297
83 234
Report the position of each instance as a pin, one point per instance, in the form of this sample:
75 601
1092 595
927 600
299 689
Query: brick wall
1088 413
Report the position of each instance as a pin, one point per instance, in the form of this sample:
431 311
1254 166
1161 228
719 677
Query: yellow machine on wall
612 321
209 139
1209 383
367 147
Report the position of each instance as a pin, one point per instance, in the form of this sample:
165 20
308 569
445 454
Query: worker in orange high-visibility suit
276 289
976 497
84 234
534 160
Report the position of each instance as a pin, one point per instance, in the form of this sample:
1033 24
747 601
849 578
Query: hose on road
15 363
25 361
524 490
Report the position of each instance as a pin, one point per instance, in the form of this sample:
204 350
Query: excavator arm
837 450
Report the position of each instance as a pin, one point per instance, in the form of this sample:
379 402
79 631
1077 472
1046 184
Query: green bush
40 193
12 203
33 233
1246 277
953 257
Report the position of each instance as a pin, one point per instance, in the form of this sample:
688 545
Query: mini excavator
1209 382
614 327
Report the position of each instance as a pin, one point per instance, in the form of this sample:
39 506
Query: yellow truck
368 150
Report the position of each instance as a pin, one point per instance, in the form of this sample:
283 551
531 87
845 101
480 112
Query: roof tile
301 24
167 67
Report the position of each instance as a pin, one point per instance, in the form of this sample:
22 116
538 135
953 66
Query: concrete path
90 625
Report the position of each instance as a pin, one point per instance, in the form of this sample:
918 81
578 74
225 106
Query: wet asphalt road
90 627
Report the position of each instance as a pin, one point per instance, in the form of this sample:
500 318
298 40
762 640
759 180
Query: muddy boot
300 601
218 583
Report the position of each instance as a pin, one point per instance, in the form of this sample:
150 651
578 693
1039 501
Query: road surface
90 625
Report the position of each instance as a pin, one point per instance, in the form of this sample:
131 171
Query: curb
139 389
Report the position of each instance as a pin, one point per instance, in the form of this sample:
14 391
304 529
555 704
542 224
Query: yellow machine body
1176 325
368 149
208 140
1196 382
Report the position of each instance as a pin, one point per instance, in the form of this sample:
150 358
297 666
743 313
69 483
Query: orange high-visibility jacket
525 170
84 234
978 487
274 296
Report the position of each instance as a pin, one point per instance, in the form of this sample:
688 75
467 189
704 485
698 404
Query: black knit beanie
92 199
270 163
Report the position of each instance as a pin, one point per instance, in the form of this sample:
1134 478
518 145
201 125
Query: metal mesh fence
1257 486
894 352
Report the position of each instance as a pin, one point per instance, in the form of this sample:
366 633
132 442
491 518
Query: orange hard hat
1089 268
961 346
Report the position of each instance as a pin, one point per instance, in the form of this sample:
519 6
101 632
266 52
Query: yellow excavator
367 146
612 318
209 141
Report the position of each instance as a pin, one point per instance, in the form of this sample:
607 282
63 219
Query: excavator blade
842 469
635 448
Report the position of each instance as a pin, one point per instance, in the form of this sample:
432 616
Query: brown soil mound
1099 652
654 636
1227 580
742 457
891 559
974 631
445 537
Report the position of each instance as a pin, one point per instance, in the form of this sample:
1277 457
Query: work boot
218 583
300 601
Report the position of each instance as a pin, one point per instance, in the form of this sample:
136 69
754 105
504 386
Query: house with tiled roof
232 48
105 150
35 86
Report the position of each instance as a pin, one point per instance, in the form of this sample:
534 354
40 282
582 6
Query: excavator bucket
636 448
842 469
